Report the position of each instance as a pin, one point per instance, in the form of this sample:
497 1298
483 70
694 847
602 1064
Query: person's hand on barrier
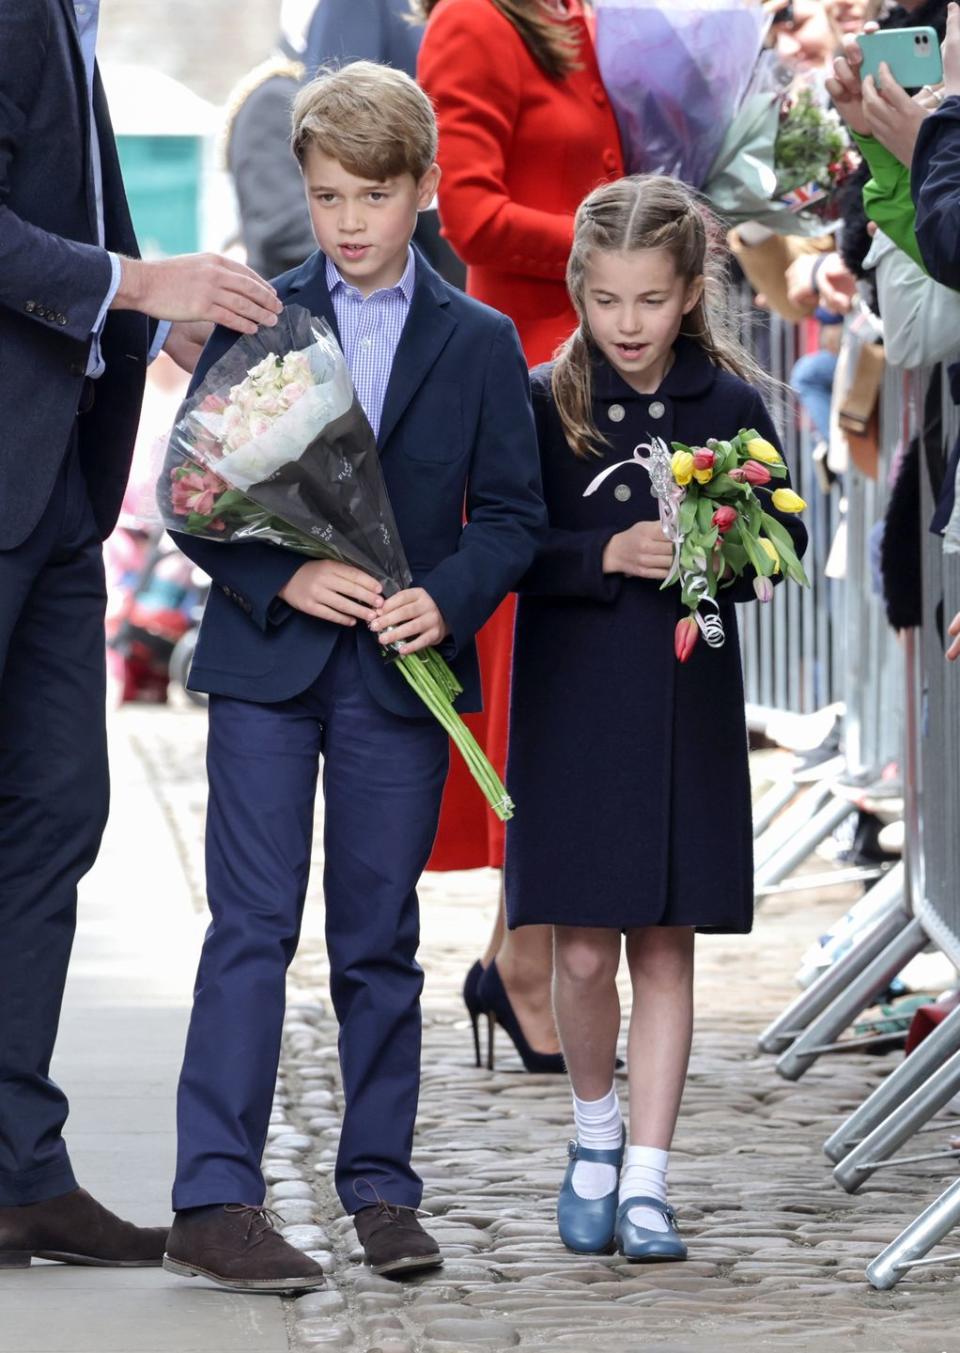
198 287
950 52
844 86
836 285
799 279
893 117
953 652
185 342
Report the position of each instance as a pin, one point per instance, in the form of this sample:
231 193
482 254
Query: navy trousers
54 789
382 783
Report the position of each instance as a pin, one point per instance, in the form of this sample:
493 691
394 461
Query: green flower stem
434 690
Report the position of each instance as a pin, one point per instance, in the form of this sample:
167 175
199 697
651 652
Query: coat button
611 160
30 307
61 319
622 493
657 410
616 413
599 95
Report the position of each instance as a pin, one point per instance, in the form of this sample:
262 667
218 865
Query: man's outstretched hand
198 287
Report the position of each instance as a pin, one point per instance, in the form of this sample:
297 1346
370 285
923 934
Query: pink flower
724 519
291 393
763 587
703 459
752 473
685 638
194 490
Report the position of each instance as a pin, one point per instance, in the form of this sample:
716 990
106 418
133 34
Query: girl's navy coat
629 770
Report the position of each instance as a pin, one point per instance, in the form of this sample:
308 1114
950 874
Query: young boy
289 654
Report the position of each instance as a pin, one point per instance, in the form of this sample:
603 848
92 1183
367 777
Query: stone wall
207 44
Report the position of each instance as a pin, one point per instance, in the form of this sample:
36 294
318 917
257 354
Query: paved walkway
777 1251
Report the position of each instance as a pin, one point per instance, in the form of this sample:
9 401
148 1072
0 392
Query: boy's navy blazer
457 440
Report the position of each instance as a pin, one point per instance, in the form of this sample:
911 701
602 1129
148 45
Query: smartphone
913 55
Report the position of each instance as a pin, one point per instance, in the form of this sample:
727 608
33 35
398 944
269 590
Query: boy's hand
641 552
333 591
185 343
412 619
953 652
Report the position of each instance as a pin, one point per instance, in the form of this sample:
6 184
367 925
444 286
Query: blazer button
30 307
599 95
657 410
610 159
61 319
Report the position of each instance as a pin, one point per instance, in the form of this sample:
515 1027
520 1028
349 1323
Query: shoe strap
654 1204
610 1155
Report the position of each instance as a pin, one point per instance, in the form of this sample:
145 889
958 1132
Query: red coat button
611 160
599 95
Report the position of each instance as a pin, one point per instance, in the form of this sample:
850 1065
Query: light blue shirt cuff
95 363
160 337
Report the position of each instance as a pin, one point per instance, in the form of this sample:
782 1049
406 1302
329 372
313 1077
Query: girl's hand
641 552
953 652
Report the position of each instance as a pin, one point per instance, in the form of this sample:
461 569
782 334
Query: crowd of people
519 316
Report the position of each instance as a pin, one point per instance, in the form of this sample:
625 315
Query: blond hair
550 41
645 211
374 120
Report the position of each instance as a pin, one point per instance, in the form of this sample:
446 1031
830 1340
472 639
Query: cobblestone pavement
777 1250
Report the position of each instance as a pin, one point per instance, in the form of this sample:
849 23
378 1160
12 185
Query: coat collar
428 327
691 376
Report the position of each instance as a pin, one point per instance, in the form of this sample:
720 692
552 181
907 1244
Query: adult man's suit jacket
54 275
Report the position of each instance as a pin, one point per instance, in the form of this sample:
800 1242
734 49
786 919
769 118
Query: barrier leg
803 843
919 1238
899 1126
781 832
773 802
835 980
912 1072
821 1033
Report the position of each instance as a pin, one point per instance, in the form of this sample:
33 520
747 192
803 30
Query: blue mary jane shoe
587 1224
644 1246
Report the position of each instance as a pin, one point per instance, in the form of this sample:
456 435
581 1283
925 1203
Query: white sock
645 1176
599 1124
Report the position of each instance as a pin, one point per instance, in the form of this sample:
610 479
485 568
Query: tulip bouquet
715 509
275 447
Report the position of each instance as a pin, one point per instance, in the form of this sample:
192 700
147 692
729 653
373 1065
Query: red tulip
704 459
753 473
724 518
685 637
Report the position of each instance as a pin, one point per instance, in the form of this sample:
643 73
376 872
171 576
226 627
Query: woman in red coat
526 131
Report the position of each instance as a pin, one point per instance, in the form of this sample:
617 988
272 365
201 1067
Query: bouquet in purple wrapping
274 446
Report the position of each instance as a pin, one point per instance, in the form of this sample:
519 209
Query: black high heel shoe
475 1007
493 1001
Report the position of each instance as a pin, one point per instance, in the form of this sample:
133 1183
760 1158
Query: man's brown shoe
394 1241
76 1229
237 1247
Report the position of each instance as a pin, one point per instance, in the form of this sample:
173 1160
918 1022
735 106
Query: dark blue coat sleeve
505 512
42 275
935 184
363 30
568 563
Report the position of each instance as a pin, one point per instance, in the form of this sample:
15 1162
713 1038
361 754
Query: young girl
630 769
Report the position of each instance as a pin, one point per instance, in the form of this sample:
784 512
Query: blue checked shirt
370 330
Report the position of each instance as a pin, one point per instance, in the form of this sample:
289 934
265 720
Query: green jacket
886 197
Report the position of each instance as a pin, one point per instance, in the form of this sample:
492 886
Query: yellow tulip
785 500
703 476
758 449
682 466
769 548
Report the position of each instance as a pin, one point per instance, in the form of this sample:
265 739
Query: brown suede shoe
76 1229
237 1247
394 1241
